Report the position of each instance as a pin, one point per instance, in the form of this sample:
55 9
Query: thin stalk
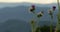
37 21
51 24
37 25
58 15
33 25
58 6
32 28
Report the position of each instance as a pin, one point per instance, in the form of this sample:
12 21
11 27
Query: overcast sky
32 1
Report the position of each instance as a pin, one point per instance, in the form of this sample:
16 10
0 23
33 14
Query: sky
31 1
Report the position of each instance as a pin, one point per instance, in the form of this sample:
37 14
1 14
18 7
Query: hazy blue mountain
22 12
2 5
15 25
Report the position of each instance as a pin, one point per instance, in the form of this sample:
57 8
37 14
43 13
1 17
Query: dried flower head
54 7
40 14
32 8
50 12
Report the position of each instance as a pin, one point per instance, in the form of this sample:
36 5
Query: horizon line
27 2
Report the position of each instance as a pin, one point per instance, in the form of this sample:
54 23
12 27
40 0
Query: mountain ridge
26 4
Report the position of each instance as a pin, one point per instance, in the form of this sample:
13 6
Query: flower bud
32 8
54 7
32 22
40 14
50 12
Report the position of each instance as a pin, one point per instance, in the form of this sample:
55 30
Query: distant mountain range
2 5
15 25
15 17
22 12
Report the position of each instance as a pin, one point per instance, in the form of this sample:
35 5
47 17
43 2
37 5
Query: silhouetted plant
38 15
33 25
45 28
51 15
32 9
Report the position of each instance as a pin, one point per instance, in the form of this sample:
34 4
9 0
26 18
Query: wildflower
54 7
32 8
50 12
40 14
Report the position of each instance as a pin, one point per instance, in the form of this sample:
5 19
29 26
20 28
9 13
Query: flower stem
34 25
58 15
51 24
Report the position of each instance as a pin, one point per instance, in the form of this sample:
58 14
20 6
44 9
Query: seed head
50 12
40 14
32 8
